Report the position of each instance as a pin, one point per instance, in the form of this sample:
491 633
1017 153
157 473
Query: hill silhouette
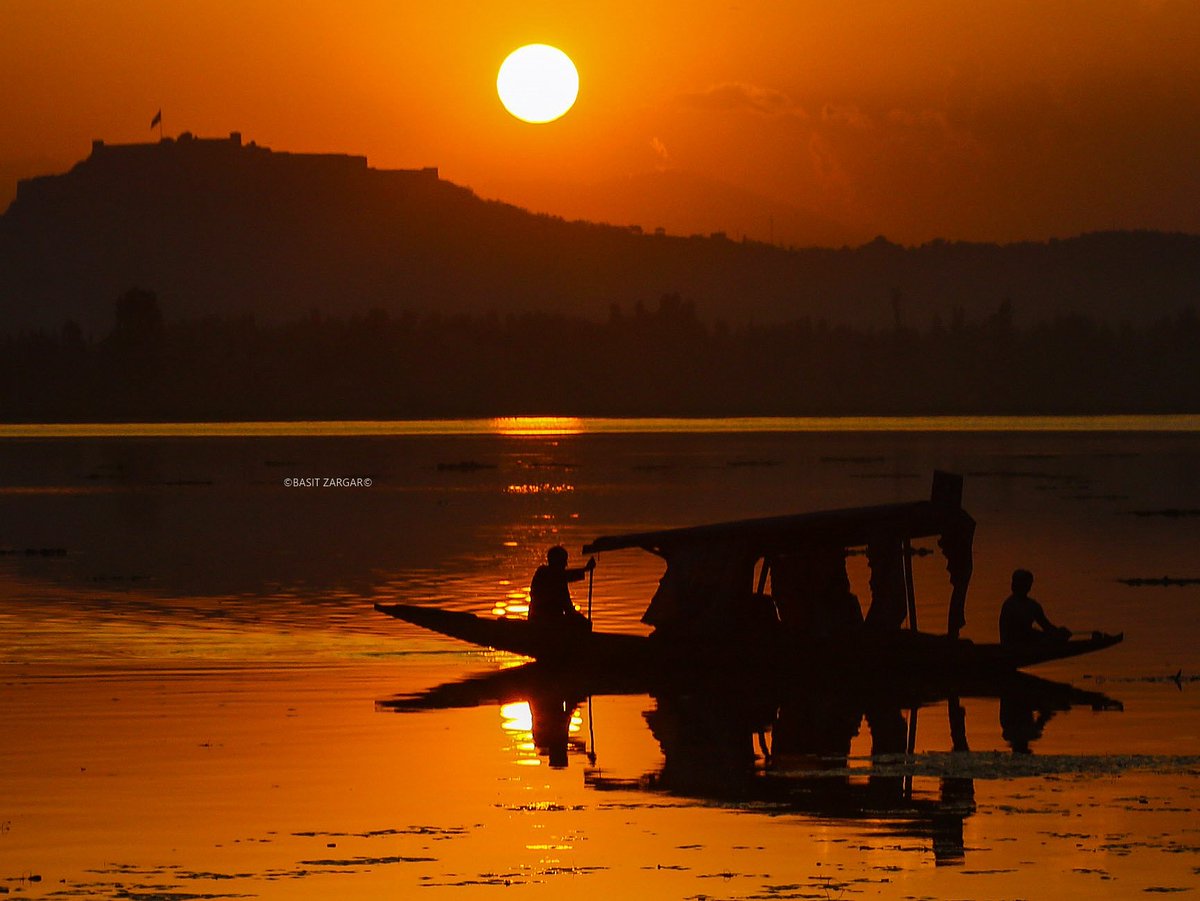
681 203
219 227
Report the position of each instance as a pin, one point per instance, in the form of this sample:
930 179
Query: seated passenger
813 593
704 593
1020 614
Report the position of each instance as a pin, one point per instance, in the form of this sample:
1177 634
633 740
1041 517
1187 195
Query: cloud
845 114
737 95
827 168
660 151
935 131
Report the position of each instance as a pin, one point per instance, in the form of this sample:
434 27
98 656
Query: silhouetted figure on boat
812 593
1022 620
838 612
550 605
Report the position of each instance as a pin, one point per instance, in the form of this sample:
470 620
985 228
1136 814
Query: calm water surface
200 701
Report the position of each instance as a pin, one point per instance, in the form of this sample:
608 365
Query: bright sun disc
537 83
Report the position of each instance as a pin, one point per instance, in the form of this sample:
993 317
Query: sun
537 83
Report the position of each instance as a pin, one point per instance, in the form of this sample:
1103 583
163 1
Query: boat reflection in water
783 752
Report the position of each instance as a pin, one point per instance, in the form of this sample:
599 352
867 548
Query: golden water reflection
539 488
538 426
542 727
288 784
848 755
265 594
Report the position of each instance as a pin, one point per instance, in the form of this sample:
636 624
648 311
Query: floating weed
157 895
481 879
366 861
434 832
187 874
725 874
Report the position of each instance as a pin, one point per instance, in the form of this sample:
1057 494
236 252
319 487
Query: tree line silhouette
658 359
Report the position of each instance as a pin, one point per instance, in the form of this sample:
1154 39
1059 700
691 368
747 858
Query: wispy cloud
660 151
848 115
738 95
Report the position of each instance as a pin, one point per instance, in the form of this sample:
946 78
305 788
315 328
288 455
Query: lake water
199 700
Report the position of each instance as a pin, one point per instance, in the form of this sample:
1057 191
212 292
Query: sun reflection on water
539 488
537 426
517 720
515 603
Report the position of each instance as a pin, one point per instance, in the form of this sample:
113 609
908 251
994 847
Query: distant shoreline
551 426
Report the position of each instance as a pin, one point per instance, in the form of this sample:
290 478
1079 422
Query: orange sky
935 118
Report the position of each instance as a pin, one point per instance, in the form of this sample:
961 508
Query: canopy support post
591 577
910 748
910 594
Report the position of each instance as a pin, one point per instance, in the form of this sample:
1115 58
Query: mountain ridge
681 202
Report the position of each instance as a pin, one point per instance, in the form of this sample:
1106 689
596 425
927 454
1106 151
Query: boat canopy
710 565
852 527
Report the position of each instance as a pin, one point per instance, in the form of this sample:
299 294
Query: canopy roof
709 566
848 528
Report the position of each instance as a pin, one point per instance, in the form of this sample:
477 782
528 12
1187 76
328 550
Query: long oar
591 734
591 578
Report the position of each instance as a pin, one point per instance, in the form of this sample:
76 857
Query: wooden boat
771 595
914 651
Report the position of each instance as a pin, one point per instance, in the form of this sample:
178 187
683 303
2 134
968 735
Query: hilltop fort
221 227
162 162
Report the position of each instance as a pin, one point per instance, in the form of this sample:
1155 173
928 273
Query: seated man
1021 613
812 592
550 603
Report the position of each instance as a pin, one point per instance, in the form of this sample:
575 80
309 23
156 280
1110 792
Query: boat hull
867 653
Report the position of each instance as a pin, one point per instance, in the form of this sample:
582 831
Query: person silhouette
550 604
1020 614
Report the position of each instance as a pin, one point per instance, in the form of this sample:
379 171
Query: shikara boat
771 596
866 652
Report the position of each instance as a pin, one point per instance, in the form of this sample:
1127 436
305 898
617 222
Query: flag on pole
157 118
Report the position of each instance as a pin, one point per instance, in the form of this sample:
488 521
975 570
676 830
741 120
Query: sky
810 121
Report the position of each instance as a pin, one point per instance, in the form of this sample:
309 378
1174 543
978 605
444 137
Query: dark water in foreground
192 672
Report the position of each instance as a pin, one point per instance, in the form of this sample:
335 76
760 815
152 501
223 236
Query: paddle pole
591 734
591 578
